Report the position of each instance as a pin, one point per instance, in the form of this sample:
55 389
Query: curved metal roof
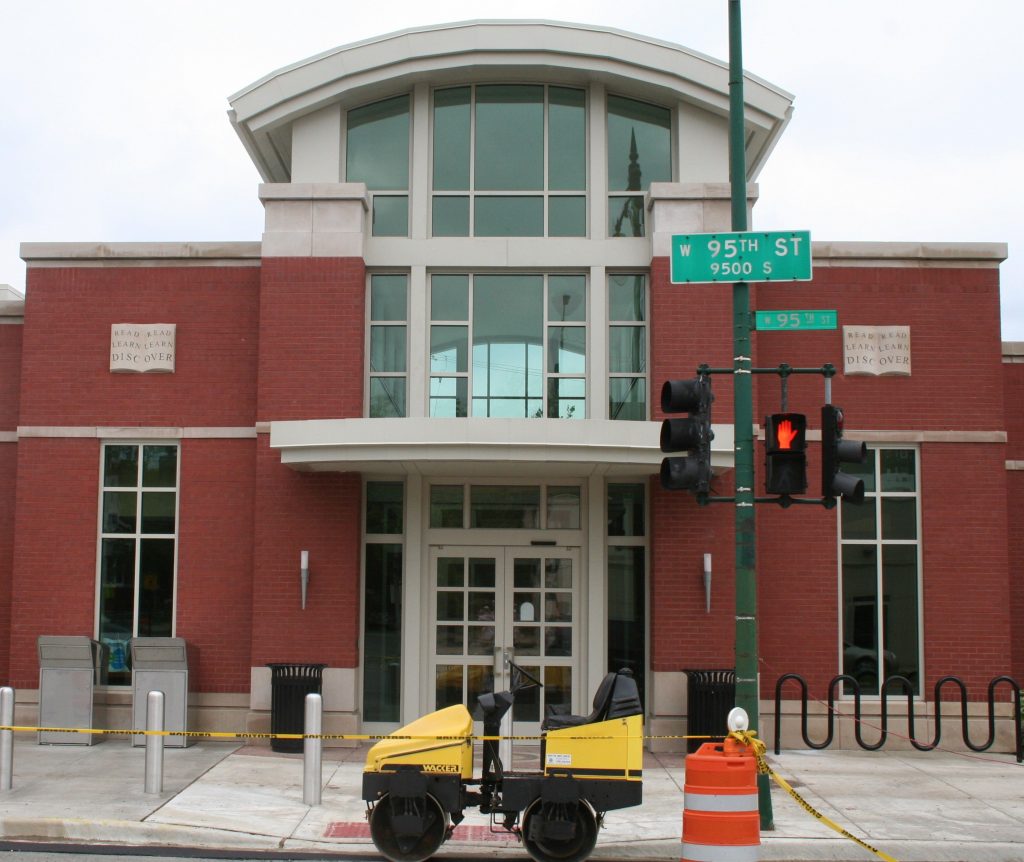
633 65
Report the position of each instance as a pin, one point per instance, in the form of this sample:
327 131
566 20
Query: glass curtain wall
389 311
382 602
138 537
627 347
639 153
509 160
880 572
377 153
509 346
627 596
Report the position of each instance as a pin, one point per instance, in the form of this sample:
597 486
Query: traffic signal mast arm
785 444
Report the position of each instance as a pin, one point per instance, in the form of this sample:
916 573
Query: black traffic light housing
785 442
692 434
835 451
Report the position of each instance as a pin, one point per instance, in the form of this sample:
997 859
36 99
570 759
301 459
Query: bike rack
907 689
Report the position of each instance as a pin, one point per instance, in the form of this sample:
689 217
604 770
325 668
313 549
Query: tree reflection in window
639 153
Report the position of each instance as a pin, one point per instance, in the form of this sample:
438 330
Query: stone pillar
685 208
314 219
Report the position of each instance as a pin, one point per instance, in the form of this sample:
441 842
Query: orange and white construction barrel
721 822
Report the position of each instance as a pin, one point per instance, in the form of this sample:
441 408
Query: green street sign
802 320
749 256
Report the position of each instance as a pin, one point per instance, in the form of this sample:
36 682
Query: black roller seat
616 697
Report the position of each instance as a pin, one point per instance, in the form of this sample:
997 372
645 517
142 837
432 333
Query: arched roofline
639 66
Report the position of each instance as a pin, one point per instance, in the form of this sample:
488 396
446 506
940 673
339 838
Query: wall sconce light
707 583
304 574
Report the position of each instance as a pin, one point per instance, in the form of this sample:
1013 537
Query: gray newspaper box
69 667
161 664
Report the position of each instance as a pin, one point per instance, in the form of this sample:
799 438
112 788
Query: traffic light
692 434
785 441
835 451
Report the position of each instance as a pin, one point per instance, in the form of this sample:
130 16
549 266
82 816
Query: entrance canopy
492 447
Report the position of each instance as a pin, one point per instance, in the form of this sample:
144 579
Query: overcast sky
907 122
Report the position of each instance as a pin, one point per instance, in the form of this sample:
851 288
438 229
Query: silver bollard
312 751
6 738
155 743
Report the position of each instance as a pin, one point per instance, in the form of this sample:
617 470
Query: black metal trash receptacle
289 685
710 694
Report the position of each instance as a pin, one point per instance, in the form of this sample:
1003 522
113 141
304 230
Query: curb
130 833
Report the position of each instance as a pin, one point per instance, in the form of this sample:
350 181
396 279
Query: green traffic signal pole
747 694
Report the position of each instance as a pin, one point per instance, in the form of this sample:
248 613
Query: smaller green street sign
802 320
733 257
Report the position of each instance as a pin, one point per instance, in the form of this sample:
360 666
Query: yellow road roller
418 783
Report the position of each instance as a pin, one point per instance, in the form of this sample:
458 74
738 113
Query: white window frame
137 535
546 193
547 325
644 324
879 544
370 374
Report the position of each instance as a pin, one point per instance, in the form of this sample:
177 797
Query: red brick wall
966 585
683 634
10 384
55 523
215 560
319 513
965 590
946 309
66 382
8 470
690 325
1013 377
1015 495
55 554
311 367
10 374
967 627
312 320
68 314
798 593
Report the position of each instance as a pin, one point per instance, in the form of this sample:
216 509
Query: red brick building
435 378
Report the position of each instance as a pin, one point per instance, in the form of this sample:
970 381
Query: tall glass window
382 602
627 597
389 304
508 346
377 153
881 572
509 160
627 347
639 153
138 539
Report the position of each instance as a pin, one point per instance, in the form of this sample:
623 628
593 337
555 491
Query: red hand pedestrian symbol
785 434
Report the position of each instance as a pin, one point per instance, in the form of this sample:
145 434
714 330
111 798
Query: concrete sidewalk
917 807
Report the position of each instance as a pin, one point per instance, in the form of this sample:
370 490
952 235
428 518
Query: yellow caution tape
212 734
750 739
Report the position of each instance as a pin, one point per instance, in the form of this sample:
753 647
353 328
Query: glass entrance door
495 605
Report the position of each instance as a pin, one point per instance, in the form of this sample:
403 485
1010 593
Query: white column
419 185
417 362
597 357
596 584
415 581
598 173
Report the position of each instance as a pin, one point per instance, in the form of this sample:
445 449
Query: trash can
710 694
161 664
289 685
69 666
